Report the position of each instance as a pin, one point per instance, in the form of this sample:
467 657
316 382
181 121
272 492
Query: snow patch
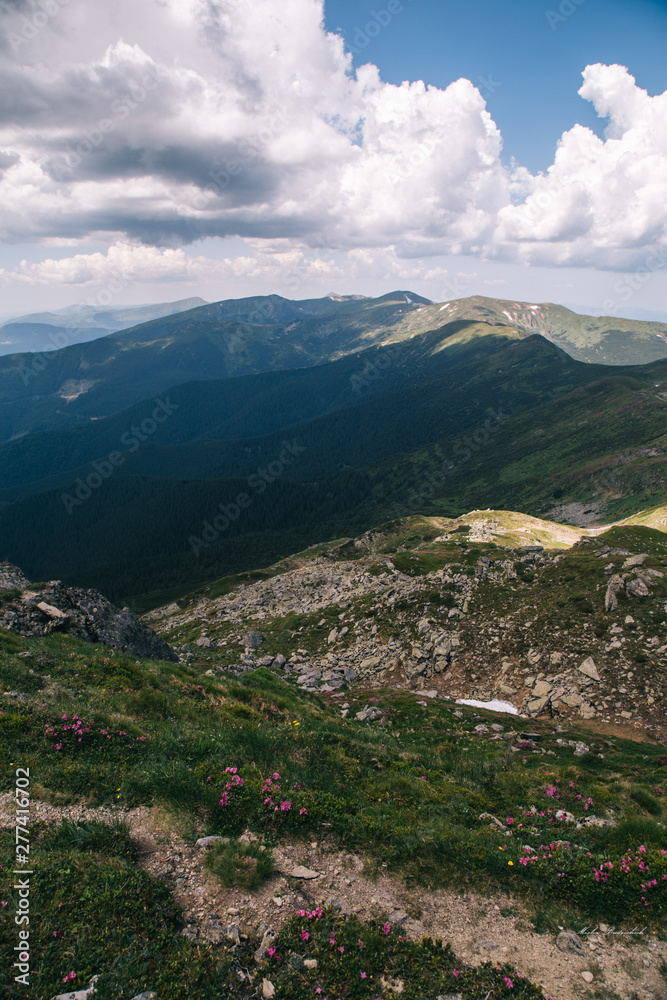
492 706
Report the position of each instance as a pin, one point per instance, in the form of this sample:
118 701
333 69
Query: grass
243 866
406 791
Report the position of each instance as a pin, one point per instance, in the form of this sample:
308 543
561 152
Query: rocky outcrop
85 614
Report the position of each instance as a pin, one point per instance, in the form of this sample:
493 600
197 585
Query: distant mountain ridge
79 324
57 389
607 340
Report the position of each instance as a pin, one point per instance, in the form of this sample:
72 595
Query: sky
155 150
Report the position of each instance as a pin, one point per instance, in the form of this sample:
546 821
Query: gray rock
267 941
82 994
634 561
568 941
302 872
637 588
588 669
487 946
204 642
146 995
613 587
209 841
84 614
252 640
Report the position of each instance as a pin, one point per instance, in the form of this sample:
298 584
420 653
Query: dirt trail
479 928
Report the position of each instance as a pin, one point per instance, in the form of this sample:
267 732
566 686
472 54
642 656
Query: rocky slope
494 605
41 608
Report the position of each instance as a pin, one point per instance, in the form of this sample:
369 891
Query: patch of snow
492 706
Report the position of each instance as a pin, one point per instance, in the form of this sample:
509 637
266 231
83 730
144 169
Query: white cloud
200 118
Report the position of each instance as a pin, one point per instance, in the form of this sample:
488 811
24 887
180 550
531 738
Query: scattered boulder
637 588
252 640
589 669
82 994
11 577
302 872
209 841
568 941
83 613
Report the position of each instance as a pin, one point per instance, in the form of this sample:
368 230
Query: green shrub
244 867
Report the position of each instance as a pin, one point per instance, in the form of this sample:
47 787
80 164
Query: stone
413 670
310 963
209 841
488 946
267 941
494 820
397 917
541 688
146 995
252 640
536 705
333 635
587 976
268 989
302 872
11 577
82 994
82 613
568 941
615 584
204 642
637 588
50 610
634 561
588 669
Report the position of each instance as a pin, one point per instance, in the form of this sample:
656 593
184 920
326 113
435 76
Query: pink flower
303 812
508 983
363 975
456 973
271 951
304 935
341 949
285 806
642 849
386 928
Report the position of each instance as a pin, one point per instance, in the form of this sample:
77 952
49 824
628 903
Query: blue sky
223 148
535 54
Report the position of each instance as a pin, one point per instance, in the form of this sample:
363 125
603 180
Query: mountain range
48 331
225 437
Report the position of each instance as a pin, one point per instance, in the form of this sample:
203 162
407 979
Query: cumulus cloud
196 118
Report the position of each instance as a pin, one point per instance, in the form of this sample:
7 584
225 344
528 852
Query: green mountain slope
515 423
88 381
607 340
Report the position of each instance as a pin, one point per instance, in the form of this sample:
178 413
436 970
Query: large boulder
86 614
